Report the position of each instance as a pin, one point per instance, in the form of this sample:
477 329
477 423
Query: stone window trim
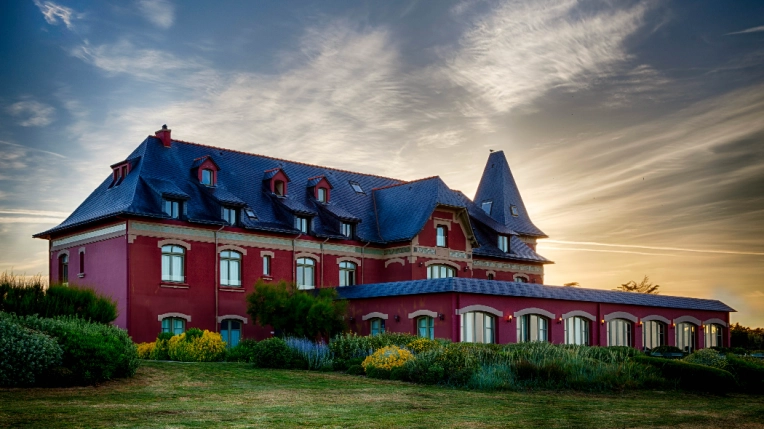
621 315
522 276
490 272
395 261
357 262
62 253
453 265
81 249
579 313
178 315
264 253
420 313
181 243
715 321
312 256
535 310
685 319
225 247
480 308
656 317
234 317
442 222
374 315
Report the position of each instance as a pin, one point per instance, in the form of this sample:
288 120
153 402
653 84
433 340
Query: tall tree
645 286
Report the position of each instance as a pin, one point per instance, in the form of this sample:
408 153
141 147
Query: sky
635 130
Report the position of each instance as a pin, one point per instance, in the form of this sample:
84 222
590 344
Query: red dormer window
206 170
207 177
119 172
276 181
279 188
321 188
321 195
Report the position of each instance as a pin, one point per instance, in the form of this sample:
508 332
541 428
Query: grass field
178 395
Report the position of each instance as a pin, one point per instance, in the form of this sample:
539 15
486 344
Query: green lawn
178 395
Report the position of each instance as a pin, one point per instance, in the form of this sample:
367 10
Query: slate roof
526 290
388 211
498 186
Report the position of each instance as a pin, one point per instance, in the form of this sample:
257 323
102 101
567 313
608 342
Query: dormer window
229 215
301 224
321 195
119 173
346 229
503 243
442 236
279 188
208 177
486 206
171 208
356 187
513 210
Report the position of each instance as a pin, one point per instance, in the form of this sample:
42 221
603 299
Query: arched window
653 334
173 264
174 325
438 271
478 327
619 332
208 177
306 273
63 268
426 327
521 279
230 268
685 336
713 335
377 326
532 327
577 331
230 331
347 273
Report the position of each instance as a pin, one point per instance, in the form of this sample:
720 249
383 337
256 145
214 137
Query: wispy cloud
54 13
631 246
32 113
159 12
748 30
27 148
544 246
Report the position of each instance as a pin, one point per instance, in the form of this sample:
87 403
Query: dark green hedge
28 298
749 373
691 376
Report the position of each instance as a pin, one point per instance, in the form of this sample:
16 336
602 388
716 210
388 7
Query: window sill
267 278
81 275
231 289
174 285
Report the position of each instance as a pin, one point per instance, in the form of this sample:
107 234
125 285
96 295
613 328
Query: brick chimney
164 135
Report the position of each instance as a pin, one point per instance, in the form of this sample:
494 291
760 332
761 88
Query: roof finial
490 150
164 127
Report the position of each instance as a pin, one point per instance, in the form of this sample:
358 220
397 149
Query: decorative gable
205 170
320 188
276 180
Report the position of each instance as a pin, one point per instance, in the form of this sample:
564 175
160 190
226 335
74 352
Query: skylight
357 187
486 206
513 209
250 213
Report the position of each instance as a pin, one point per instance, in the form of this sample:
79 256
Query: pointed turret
498 196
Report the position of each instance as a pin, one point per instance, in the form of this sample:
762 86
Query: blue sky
635 130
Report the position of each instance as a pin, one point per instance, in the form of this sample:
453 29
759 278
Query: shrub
161 350
242 352
25 297
25 355
387 358
690 375
749 373
425 369
349 346
422 345
192 347
707 357
666 349
315 356
355 370
399 373
272 353
145 350
92 352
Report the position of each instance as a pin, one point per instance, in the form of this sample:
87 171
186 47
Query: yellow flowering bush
209 347
387 358
145 349
422 345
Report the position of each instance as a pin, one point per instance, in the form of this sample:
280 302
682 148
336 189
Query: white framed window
63 269
306 273
230 331
230 268
426 327
173 264
229 215
207 177
577 331
171 208
347 273
685 336
619 332
532 327
521 279
174 325
346 229
301 224
503 243
322 195
266 265
486 206
653 334
513 210
439 271
478 327
357 187
279 187
713 335
377 326
441 236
